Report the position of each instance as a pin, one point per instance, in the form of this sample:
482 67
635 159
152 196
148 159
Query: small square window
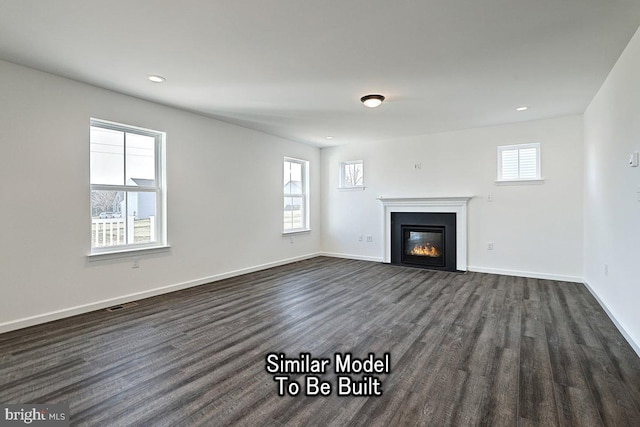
519 162
352 174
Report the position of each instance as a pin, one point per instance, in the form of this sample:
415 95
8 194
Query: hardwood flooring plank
575 407
537 397
615 405
500 407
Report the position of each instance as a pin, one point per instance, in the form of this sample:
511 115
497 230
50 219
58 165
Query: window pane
108 221
509 164
357 173
107 156
296 172
107 204
348 175
292 178
141 160
293 213
528 163
141 215
288 207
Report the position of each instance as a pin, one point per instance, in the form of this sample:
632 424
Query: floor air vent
122 306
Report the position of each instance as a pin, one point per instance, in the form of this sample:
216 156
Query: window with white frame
519 162
296 195
128 200
352 174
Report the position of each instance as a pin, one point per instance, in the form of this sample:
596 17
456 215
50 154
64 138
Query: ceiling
297 68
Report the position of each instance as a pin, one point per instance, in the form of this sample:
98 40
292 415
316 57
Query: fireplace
432 212
423 246
424 239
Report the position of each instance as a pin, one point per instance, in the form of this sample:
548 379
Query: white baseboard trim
517 273
632 343
349 256
85 308
531 274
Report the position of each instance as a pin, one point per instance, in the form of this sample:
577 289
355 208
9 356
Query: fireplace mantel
457 205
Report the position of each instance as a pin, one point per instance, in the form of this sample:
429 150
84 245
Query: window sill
301 231
127 253
359 188
522 182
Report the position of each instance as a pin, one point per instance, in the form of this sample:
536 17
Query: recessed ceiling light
522 108
329 137
156 79
372 101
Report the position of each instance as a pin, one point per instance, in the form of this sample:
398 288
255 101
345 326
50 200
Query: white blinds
509 165
519 162
528 162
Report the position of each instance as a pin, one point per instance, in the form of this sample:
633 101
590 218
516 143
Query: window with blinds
519 162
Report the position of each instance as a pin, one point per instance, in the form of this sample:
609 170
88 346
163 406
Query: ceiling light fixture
372 101
329 137
522 108
156 79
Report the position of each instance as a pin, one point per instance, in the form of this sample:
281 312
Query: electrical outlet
490 246
290 239
417 166
369 238
606 269
490 197
135 262
360 238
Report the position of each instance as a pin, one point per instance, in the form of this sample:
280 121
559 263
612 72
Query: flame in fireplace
425 250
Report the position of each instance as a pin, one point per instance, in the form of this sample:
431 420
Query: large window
519 162
127 188
296 195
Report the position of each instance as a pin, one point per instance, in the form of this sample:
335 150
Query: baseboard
517 273
531 274
632 343
72 311
349 256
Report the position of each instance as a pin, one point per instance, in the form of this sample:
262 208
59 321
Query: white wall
224 199
612 193
536 229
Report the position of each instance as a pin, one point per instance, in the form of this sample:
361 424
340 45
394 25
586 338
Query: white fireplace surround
457 205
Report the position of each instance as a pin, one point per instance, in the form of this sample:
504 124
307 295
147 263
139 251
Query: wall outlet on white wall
490 246
369 238
633 160
135 262
360 238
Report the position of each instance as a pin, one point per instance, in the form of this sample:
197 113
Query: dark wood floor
466 349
